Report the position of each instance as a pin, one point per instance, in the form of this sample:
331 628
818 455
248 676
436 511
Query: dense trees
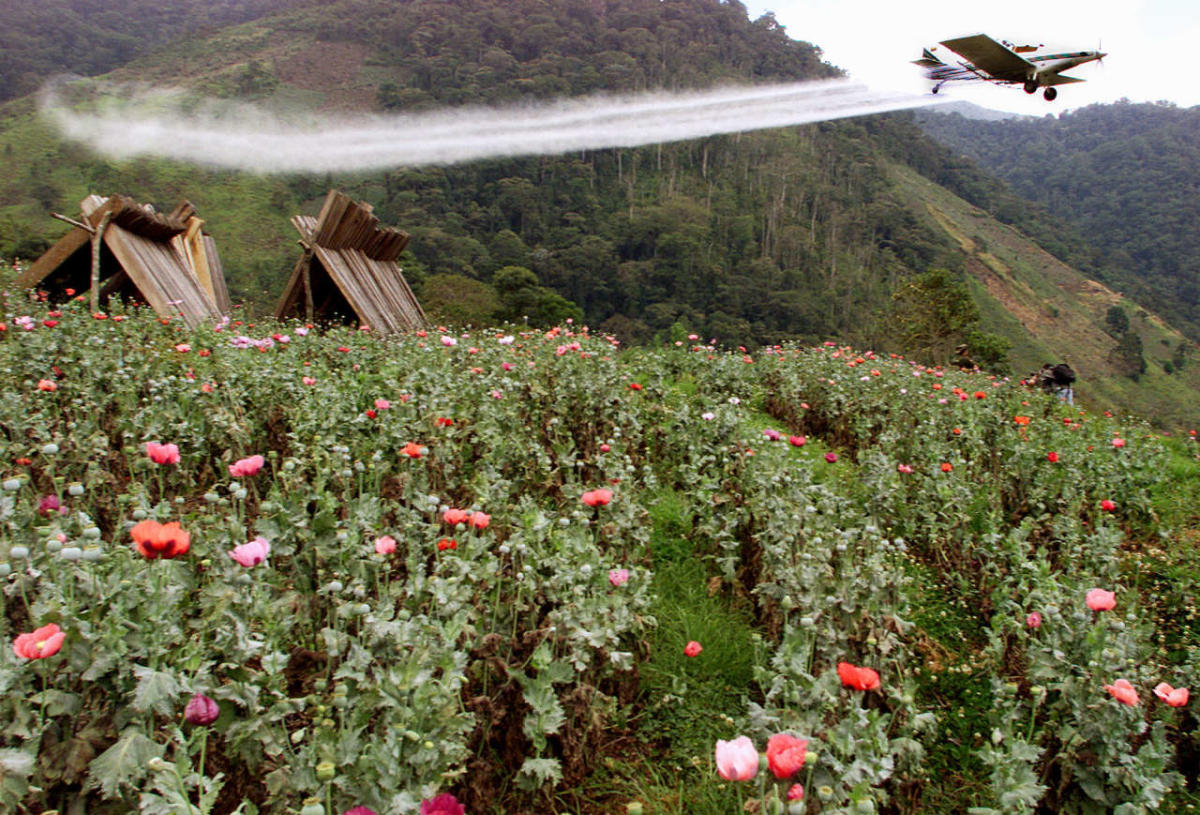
1125 174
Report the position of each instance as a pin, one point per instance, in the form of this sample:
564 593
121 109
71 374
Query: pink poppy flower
479 520
796 792
385 545
797 441
772 434
42 643
904 468
449 342
1100 600
246 467
308 380
49 505
162 453
1034 620
252 553
737 760
692 649
47 385
382 404
831 457
454 517
1123 692
618 577
1118 443
1175 697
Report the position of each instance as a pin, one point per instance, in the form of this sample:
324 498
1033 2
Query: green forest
1124 174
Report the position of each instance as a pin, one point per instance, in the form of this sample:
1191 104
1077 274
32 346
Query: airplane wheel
1031 87
935 90
1051 94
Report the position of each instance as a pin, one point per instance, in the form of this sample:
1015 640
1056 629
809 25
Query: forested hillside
1126 174
90 37
799 233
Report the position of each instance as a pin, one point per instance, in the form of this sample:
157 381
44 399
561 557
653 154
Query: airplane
1002 62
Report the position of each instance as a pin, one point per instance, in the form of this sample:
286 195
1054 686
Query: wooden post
308 292
97 244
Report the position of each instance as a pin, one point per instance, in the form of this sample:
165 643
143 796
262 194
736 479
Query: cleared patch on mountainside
330 68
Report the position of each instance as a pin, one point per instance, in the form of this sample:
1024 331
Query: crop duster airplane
1002 62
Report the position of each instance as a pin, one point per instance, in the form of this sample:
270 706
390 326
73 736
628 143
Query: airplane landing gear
1050 94
1031 86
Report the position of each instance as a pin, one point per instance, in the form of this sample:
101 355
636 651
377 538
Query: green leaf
156 690
536 772
124 763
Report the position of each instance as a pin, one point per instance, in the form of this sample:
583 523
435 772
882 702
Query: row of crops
274 569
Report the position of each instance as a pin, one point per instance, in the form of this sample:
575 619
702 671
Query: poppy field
267 568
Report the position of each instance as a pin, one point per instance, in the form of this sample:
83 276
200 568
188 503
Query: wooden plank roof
166 258
346 244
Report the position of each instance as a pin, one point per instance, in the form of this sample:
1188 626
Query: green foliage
1127 356
933 312
1116 321
460 300
1122 174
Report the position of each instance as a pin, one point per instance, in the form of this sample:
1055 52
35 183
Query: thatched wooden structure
350 270
165 261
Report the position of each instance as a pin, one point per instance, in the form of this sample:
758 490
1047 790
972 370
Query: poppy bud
201 710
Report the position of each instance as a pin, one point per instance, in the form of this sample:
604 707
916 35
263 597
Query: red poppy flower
692 649
413 450
371 414
155 540
633 386
1052 457
785 755
447 543
947 466
1107 505
597 498
857 678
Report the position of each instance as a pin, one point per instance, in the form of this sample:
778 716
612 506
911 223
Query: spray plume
122 122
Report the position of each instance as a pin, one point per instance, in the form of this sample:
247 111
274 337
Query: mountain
799 233
1125 174
89 37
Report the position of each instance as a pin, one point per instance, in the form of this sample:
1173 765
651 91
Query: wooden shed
164 260
350 270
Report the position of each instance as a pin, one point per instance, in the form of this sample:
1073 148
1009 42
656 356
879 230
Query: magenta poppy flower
201 710
1034 620
359 811
831 457
618 577
442 804
385 545
797 441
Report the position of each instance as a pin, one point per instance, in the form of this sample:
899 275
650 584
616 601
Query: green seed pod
312 806
326 770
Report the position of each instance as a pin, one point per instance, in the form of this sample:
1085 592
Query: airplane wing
991 57
1059 79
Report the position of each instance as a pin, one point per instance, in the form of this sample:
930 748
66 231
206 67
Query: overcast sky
1153 45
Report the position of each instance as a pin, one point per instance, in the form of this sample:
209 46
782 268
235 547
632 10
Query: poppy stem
42 709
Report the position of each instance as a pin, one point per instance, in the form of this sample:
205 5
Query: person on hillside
963 360
1064 382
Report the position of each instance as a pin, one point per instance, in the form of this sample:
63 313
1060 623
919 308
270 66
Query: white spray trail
162 123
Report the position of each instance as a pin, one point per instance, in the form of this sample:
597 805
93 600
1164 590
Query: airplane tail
928 60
